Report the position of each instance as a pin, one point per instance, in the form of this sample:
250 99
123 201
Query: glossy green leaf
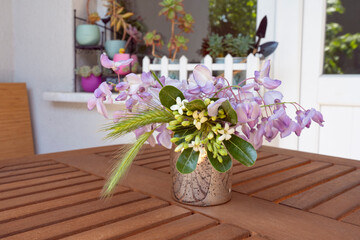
230 113
220 167
196 104
182 133
241 150
187 161
168 95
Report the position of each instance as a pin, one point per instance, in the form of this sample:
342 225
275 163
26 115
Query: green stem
156 78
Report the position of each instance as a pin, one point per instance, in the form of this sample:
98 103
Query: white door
337 96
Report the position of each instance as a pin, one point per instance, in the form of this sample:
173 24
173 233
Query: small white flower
226 132
179 106
199 118
195 146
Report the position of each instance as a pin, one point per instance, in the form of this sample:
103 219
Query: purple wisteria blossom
260 116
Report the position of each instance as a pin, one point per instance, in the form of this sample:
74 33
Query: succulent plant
93 18
215 48
86 71
237 46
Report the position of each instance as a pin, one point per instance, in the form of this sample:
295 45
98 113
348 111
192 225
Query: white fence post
208 61
164 66
146 64
228 68
183 68
252 65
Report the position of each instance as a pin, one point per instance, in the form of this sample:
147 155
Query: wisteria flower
262 77
102 93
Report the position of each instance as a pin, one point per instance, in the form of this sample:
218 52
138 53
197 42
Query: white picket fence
252 64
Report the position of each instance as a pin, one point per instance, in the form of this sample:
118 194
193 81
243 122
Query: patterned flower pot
87 34
89 84
203 187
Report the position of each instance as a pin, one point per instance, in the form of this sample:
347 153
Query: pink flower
107 63
102 93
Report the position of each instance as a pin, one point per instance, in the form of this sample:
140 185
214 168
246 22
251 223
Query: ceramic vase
87 34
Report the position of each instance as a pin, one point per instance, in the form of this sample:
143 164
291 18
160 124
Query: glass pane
342 52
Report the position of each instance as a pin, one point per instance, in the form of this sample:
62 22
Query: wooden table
286 195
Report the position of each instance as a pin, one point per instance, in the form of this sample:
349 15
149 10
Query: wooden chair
16 138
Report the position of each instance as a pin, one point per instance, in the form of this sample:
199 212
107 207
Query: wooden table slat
265 182
268 169
23 171
220 232
323 192
134 224
283 190
52 217
90 221
41 180
47 187
353 218
176 229
340 205
28 176
27 165
271 159
50 205
152 160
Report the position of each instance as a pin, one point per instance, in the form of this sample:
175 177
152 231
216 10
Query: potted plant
88 34
205 123
90 77
118 21
174 12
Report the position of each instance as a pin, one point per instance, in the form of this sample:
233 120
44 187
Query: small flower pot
205 186
126 69
87 34
89 84
112 47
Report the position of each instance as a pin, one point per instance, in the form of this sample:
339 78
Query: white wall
43 58
6 42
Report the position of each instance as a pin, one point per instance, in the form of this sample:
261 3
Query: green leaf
168 95
183 133
241 150
230 113
187 161
220 167
196 104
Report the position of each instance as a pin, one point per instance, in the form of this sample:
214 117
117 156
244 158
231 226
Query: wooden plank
268 181
37 208
27 165
90 221
152 154
63 214
156 165
37 181
281 191
260 156
47 187
152 160
52 194
340 205
29 176
353 218
16 138
164 169
312 156
5 174
272 159
134 224
176 229
268 169
323 192
222 231
257 237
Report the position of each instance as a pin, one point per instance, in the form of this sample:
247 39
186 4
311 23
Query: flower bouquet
207 120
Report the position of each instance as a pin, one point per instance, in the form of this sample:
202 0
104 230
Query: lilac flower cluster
259 115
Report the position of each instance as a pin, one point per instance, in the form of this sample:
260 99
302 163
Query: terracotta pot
203 187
